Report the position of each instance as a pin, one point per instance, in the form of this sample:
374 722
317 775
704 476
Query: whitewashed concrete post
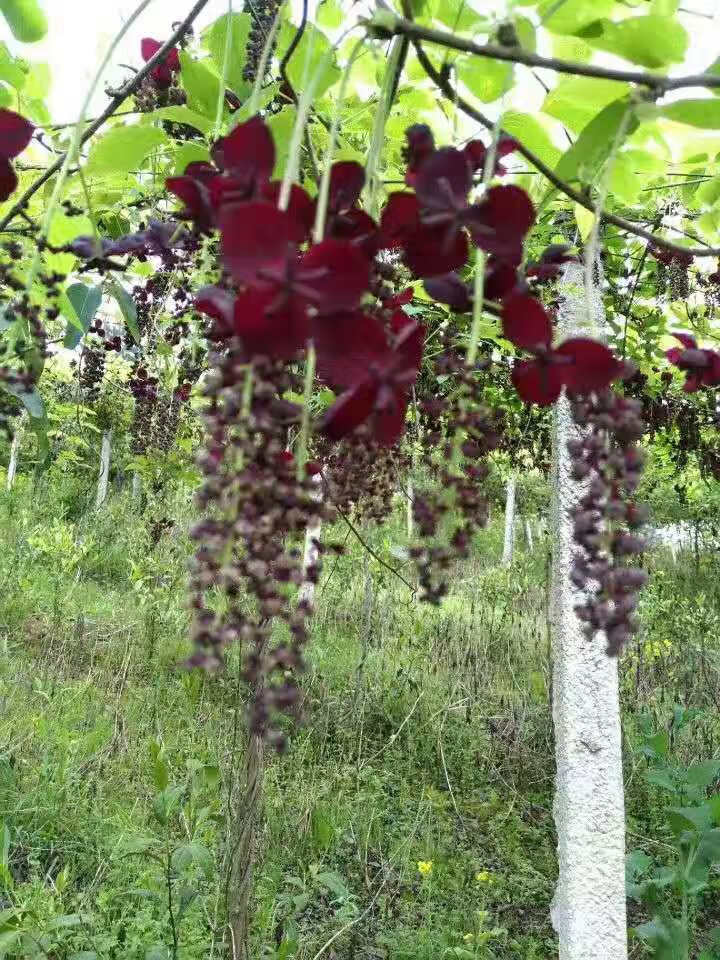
509 541
14 454
588 911
104 476
306 593
410 499
529 535
136 486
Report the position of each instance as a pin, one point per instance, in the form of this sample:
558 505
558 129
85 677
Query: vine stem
302 449
324 191
119 97
378 134
591 247
223 81
262 64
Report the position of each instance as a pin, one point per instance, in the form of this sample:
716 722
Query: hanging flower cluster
164 73
606 519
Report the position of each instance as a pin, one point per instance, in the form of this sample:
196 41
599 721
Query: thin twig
493 51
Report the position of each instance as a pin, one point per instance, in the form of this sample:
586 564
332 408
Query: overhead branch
118 98
442 82
493 51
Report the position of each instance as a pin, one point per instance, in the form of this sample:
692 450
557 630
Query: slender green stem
303 110
324 191
74 147
372 184
262 64
302 452
223 81
591 247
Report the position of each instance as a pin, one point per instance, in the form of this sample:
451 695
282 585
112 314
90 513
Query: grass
412 816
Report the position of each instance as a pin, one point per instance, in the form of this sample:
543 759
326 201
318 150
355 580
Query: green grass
427 740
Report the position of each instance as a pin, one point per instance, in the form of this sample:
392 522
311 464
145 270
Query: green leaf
530 130
714 70
215 38
190 853
190 153
703 774
161 775
281 126
201 85
486 79
694 819
330 16
181 114
311 50
8 940
526 34
576 100
586 156
695 113
10 69
585 220
157 952
32 401
652 41
25 18
333 882
572 15
661 778
123 149
666 935
84 303
127 308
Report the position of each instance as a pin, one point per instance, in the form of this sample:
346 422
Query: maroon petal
349 410
218 304
337 273
408 346
475 153
690 343
15 134
400 217
537 382
450 289
149 47
277 333
247 153
256 237
8 179
592 365
357 227
420 145
196 199
300 207
526 324
347 344
391 406
399 299
201 170
501 280
430 251
501 221
674 354
444 180
347 178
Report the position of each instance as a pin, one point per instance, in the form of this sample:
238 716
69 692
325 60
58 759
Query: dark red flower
547 267
258 237
476 153
420 145
579 364
300 207
399 218
501 221
247 154
162 74
264 327
701 366
449 288
15 134
501 280
381 390
398 299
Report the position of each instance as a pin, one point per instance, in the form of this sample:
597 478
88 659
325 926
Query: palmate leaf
201 85
127 308
80 304
122 149
586 156
651 41
574 101
25 18
215 38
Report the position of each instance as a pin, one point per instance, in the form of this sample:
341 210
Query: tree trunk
509 520
102 486
529 535
310 554
14 453
588 910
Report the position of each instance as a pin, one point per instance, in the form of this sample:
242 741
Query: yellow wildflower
484 878
425 867
468 937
